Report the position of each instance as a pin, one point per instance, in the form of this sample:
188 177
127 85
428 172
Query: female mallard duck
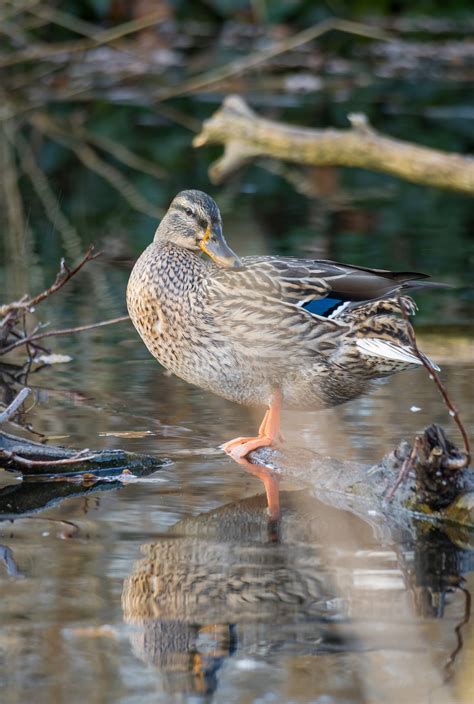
276 331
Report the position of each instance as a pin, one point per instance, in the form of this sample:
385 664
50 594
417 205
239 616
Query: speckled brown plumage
244 332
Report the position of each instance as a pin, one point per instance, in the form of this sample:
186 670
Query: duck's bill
214 245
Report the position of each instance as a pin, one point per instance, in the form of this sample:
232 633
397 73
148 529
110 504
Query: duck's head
193 221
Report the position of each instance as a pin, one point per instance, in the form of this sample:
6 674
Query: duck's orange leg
269 431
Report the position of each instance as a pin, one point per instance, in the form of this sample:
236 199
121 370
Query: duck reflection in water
220 584
219 590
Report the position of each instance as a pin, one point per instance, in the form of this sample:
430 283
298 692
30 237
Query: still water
172 587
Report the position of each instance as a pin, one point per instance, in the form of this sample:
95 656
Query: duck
266 331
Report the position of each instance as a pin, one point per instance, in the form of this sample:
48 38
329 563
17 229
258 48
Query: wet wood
33 459
436 485
245 135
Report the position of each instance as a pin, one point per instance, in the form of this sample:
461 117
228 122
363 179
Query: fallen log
436 484
33 459
435 487
246 136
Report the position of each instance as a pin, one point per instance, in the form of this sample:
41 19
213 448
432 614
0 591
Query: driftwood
436 487
245 136
33 459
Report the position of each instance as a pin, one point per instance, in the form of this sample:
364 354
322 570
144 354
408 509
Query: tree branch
14 405
239 129
55 333
63 276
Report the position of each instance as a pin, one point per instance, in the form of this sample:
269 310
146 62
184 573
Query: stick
453 411
14 405
62 278
79 457
65 331
105 37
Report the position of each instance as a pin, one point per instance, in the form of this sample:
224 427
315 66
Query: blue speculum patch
324 306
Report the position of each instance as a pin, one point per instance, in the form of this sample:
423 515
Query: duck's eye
189 211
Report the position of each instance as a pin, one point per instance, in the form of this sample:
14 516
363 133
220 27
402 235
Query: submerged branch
243 132
431 487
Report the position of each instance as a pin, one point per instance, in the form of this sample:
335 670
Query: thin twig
46 195
66 331
453 411
89 157
14 405
63 276
105 37
405 469
45 123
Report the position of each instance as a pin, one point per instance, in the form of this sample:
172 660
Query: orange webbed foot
239 450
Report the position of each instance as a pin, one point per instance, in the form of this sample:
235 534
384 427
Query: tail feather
377 347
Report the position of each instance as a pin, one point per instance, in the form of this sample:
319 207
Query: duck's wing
281 306
326 288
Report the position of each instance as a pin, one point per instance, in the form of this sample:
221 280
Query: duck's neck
171 257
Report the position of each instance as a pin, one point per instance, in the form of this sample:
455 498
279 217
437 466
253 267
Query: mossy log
246 136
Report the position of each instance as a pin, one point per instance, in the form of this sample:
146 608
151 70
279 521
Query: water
173 587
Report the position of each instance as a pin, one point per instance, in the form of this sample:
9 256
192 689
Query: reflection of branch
6 556
66 331
64 275
361 146
448 668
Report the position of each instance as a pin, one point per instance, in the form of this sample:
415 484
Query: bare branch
35 53
236 68
360 146
66 331
64 275
14 405
453 411
46 195
44 123
94 162
30 464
